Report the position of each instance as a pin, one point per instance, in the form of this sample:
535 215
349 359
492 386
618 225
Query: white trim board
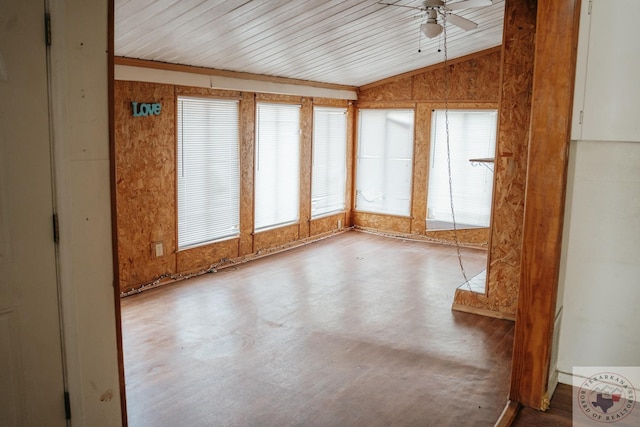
150 75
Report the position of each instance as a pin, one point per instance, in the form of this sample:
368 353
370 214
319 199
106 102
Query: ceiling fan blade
401 5
461 22
467 4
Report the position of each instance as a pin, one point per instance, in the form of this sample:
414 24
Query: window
329 170
472 135
277 181
208 170
384 162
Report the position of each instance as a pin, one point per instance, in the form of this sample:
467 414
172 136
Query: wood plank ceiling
350 42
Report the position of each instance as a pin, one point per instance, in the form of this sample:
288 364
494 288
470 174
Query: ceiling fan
432 8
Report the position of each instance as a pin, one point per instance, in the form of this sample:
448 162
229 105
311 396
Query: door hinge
67 405
47 29
590 7
56 229
581 117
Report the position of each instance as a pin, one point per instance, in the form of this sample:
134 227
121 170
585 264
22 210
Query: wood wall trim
430 68
306 156
421 151
132 62
552 99
363 105
114 213
247 172
509 414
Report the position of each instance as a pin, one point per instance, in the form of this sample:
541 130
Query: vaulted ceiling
350 42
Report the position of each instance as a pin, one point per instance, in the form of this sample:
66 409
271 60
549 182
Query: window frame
462 220
344 152
257 160
409 163
235 233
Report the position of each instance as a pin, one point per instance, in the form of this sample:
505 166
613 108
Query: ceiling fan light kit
431 29
432 8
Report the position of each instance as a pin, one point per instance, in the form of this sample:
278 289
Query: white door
31 372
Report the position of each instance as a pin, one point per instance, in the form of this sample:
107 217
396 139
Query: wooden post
552 98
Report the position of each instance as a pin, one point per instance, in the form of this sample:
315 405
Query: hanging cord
446 120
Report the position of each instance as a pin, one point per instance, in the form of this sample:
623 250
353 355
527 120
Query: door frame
553 83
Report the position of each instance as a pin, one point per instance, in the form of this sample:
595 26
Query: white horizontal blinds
208 170
384 161
329 170
472 135
277 180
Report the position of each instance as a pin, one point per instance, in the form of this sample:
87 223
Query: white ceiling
350 42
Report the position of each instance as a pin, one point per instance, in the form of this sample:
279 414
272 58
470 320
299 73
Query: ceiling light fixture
431 28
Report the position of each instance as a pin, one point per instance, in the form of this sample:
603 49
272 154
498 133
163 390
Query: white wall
81 138
602 257
599 290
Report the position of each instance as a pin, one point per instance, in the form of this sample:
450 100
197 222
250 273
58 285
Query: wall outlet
157 249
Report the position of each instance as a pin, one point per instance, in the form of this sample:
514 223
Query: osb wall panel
477 79
474 79
330 102
306 133
385 104
326 224
473 237
395 90
273 238
421 151
381 222
247 156
351 126
203 257
511 163
145 182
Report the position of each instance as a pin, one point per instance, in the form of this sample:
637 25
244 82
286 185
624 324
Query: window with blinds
208 170
329 169
277 165
385 161
472 135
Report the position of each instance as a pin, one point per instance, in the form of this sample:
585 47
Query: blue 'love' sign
141 109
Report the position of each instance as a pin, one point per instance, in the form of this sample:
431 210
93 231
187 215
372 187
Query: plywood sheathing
420 168
277 237
199 258
306 134
387 223
327 224
247 172
472 78
396 90
424 91
146 193
510 167
469 237
145 181
475 79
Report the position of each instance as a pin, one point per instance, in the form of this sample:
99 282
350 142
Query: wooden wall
474 83
146 185
503 274
145 169
496 77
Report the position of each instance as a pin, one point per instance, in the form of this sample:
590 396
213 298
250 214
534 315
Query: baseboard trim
509 414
